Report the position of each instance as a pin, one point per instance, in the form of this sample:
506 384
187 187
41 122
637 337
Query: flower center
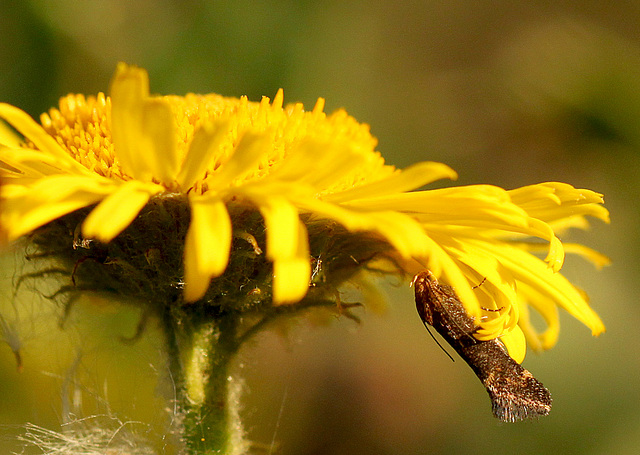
82 126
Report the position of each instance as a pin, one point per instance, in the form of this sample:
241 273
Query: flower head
227 177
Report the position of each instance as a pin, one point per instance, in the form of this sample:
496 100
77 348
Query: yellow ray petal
287 247
553 201
159 130
555 256
486 229
451 204
531 271
318 163
291 276
28 127
143 128
558 213
27 208
207 245
31 163
129 87
547 308
118 210
563 225
529 331
544 193
481 268
246 156
8 136
402 231
595 257
516 344
202 150
444 267
408 179
281 220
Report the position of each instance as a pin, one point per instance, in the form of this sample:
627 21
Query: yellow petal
27 208
534 196
291 276
159 130
553 201
287 247
547 308
413 177
31 163
448 271
481 226
207 245
531 271
490 280
118 210
597 258
143 128
476 202
515 343
530 332
281 220
319 163
402 231
127 91
245 157
571 222
202 150
8 136
22 122
555 257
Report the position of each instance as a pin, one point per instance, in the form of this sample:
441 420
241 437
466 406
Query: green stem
200 355
200 348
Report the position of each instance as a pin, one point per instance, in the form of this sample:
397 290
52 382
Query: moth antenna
480 284
426 326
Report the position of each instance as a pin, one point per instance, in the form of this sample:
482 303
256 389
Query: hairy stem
200 355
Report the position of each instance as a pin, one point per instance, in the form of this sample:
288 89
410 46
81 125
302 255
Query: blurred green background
507 93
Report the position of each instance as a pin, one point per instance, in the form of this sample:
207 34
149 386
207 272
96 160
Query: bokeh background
507 93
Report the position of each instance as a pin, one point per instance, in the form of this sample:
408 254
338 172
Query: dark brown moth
515 393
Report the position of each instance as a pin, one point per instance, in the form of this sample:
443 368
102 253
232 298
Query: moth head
426 290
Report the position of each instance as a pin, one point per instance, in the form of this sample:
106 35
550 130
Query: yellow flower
315 179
